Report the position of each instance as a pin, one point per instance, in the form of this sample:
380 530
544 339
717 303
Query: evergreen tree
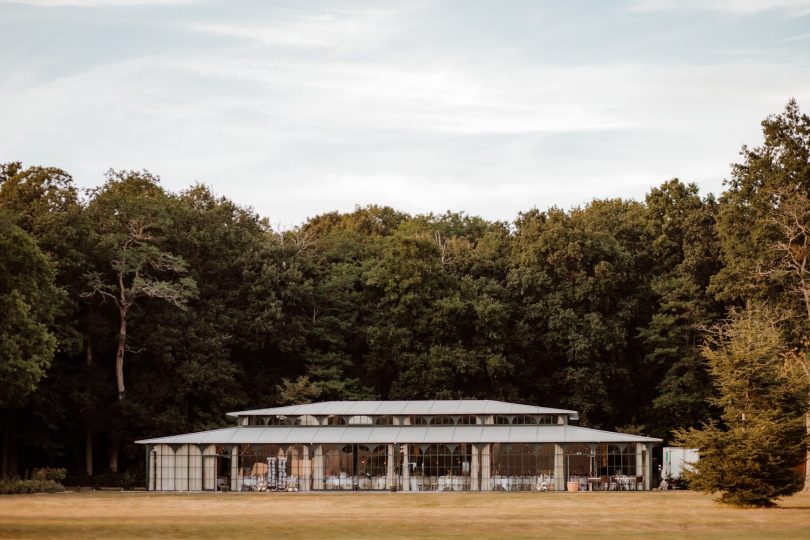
764 228
751 456
682 226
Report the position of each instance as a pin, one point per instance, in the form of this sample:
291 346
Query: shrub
11 486
49 473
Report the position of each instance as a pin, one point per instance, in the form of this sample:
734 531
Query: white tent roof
435 434
418 407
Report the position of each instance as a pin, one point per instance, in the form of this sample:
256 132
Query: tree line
130 311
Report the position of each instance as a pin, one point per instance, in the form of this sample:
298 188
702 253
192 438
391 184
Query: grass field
395 515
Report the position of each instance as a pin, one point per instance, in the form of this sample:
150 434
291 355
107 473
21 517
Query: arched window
334 420
467 420
384 421
442 420
524 421
502 420
417 421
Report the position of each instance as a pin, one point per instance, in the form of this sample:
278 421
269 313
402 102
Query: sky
297 108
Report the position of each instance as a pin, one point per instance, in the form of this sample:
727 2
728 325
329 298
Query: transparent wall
406 467
604 467
272 467
436 467
353 467
521 467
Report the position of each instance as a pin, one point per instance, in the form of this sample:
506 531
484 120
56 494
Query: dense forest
129 311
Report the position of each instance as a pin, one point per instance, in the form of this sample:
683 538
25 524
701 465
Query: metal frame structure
442 445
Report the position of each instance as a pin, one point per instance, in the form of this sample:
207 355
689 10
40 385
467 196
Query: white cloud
334 29
793 7
97 3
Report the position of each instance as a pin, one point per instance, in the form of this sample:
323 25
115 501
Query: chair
639 482
604 483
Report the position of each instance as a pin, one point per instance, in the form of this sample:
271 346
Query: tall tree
763 220
752 456
685 249
578 280
46 205
130 216
28 302
191 362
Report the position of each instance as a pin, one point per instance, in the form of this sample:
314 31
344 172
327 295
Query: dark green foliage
579 281
17 486
49 473
28 301
750 214
685 249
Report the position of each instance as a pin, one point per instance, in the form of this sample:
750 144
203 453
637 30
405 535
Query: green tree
191 361
768 178
763 223
49 209
685 249
436 312
752 455
46 206
579 280
28 301
130 216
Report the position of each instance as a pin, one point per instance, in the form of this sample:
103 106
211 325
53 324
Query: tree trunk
803 363
8 462
119 355
806 489
88 451
114 456
4 451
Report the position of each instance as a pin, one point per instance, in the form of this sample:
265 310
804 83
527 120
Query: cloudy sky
491 107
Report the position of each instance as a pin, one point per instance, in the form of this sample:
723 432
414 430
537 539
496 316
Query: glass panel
521 467
439 467
270 467
443 420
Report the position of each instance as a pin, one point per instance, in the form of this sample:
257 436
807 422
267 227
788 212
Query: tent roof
417 407
435 434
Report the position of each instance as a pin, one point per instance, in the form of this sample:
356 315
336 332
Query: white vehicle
676 460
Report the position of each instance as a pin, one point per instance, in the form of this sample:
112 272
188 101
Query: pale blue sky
491 107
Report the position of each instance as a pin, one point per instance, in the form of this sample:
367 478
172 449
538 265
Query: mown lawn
395 515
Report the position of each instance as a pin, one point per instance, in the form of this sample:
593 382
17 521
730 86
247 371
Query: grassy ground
395 515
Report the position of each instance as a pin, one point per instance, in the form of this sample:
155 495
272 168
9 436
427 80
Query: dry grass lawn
395 515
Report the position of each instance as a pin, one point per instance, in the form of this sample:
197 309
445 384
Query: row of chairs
616 483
